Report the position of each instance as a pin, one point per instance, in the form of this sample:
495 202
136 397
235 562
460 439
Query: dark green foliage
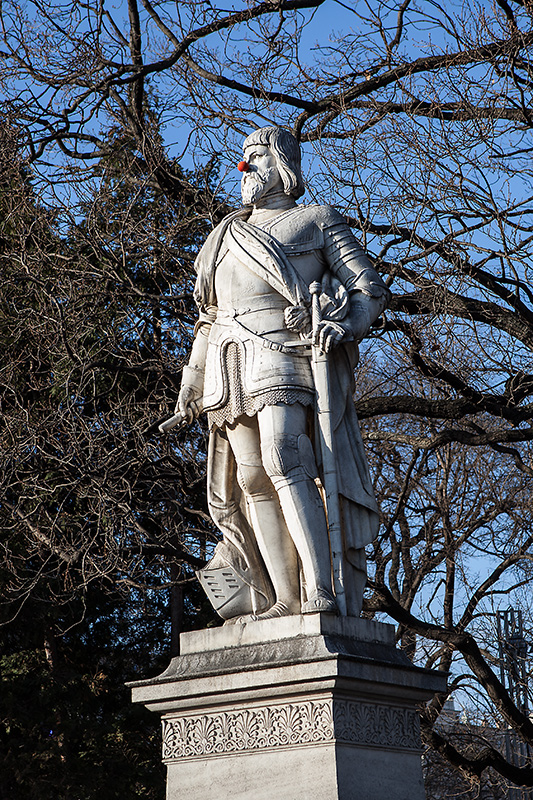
67 726
102 520
93 343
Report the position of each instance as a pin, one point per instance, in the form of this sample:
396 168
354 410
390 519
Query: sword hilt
315 290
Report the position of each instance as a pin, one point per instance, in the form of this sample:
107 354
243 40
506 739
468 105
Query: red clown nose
243 166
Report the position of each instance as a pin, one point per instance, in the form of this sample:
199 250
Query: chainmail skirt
240 402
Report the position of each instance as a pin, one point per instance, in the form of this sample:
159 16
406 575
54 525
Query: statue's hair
286 150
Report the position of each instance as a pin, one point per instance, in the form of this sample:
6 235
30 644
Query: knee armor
289 459
253 480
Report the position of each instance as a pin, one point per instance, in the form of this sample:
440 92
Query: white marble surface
364 630
267 336
310 707
321 772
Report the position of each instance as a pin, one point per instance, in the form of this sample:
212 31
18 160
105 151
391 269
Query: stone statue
251 371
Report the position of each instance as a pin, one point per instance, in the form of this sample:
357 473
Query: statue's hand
187 403
298 318
328 335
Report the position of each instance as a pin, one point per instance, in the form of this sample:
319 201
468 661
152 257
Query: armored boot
278 552
304 514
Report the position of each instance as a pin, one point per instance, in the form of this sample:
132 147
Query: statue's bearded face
263 175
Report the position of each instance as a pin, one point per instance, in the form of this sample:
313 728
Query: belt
288 348
265 303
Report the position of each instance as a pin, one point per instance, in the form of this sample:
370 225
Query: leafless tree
415 120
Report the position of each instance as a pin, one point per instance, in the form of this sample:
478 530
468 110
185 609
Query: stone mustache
285 293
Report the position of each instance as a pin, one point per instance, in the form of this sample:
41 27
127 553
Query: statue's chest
234 282
302 245
302 241
296 236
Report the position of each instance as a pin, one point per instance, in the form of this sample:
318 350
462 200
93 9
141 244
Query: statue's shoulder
314 214
215 236
303 227
239 213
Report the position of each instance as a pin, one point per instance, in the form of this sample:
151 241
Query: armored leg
289 462
268 523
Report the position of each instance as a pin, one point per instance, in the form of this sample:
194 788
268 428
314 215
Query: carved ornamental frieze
290 725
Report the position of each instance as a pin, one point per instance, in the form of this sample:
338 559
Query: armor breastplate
240 292
250 313
314 239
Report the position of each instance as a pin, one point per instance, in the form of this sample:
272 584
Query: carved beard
254 185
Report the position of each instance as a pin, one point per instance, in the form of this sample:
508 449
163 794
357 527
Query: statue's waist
265 364
266 320
271 302
263 329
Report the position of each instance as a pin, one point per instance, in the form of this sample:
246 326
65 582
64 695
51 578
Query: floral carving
294 724
382 726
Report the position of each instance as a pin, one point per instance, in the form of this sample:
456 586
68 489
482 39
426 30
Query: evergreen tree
102 519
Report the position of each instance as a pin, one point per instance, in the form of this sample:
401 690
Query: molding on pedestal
368 724
294 724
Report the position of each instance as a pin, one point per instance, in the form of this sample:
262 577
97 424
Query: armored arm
192 381
348 261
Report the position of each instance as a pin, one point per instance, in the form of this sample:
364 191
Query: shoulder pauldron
300 231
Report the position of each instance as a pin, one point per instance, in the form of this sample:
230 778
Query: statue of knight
251 370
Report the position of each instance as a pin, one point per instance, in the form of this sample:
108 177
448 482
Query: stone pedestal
299 708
